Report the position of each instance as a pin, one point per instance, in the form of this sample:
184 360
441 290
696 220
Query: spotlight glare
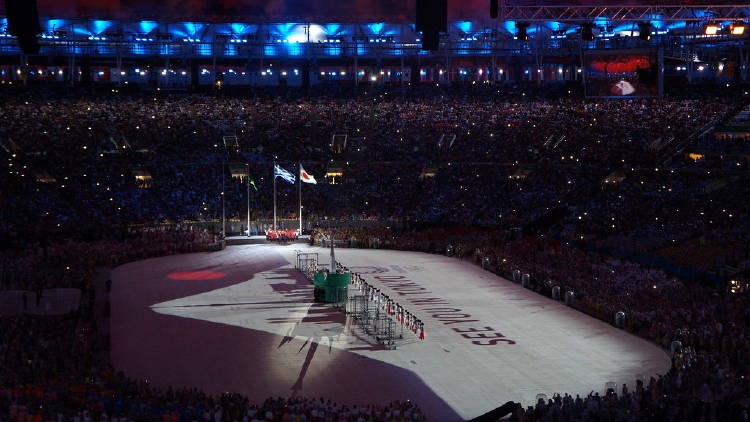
711 29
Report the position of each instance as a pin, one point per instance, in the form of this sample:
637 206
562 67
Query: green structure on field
331 288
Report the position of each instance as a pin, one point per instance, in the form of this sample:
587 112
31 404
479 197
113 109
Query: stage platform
260 240
242 320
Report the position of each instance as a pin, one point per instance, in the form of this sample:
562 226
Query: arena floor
242 320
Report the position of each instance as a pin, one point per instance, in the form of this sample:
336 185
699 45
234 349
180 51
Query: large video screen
621 74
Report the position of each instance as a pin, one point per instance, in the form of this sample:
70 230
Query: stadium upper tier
549 27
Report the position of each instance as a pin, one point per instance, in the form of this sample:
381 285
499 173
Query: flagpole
223 208
333 257
274 195
248 200
300 200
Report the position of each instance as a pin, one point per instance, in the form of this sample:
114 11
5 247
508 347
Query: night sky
165 9
330 10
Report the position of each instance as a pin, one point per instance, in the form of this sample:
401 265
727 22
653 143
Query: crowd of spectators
72 160
495 160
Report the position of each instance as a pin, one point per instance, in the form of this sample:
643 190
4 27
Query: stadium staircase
741 113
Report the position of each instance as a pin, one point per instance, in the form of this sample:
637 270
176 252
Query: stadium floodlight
711 29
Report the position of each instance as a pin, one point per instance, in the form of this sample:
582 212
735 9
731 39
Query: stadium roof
396 11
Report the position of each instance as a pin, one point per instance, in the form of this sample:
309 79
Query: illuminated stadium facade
300 53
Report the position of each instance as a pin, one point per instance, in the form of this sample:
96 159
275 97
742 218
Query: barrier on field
620 319
525 280
569 296
517 276
556 292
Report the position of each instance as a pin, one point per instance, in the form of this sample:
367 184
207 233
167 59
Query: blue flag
280 172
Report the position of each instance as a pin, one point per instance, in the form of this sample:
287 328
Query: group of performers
388 305
281 235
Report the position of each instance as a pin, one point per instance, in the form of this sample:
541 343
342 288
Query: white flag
306 177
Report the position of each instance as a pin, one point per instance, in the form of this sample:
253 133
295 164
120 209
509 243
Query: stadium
432 210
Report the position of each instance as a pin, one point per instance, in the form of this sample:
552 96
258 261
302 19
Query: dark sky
329 10
164 9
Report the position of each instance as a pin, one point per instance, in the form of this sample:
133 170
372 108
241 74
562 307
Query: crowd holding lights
435 74
650 211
